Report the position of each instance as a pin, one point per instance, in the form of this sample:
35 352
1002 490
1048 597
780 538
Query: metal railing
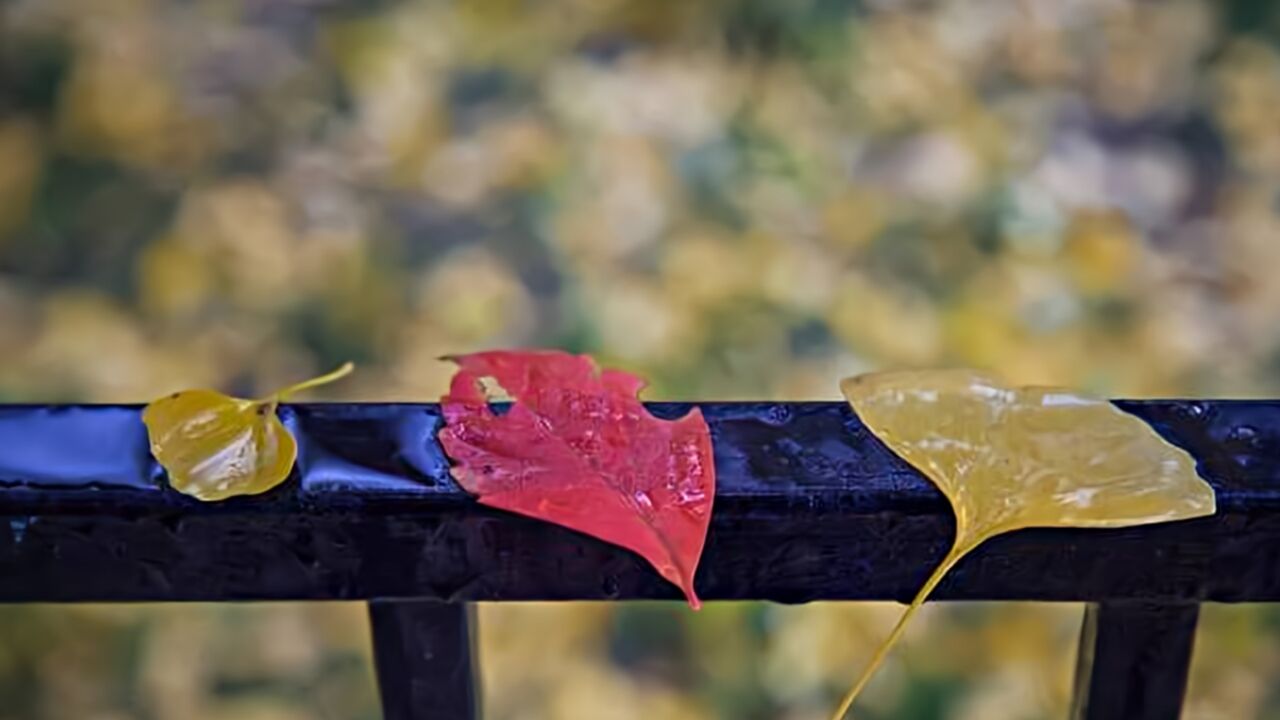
809 506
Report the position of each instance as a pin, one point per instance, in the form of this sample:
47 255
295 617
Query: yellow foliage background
734 198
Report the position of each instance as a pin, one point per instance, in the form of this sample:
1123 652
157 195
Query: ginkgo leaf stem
957 551
325 379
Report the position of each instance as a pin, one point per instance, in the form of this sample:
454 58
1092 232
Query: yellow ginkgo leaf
1010 458
215 446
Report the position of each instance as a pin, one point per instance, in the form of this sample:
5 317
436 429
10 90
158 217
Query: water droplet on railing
1196 409
609 586
1243 434
777 415
18 526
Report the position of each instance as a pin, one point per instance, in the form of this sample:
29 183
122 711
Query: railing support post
424 657
1133 661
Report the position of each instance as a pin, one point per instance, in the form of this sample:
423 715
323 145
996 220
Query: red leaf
577 448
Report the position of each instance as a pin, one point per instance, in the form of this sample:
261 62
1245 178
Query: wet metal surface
809 506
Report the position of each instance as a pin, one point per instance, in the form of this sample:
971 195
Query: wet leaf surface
1011 458
215 446
577 448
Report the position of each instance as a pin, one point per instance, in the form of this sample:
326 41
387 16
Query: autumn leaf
214 446
1011 458
577 448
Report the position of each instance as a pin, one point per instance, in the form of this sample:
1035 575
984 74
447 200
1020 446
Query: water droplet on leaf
579 449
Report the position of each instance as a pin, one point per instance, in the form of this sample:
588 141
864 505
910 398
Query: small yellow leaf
1010 458
214 446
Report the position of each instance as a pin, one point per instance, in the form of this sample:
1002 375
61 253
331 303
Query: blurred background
734 198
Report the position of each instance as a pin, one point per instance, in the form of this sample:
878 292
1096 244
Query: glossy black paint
423 653
1133 661
809 506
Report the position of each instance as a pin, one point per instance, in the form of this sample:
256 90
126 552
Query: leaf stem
325 379
957 551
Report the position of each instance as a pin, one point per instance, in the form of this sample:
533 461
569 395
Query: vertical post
424 658
1133 661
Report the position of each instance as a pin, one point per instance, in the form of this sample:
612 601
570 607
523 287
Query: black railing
809 506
